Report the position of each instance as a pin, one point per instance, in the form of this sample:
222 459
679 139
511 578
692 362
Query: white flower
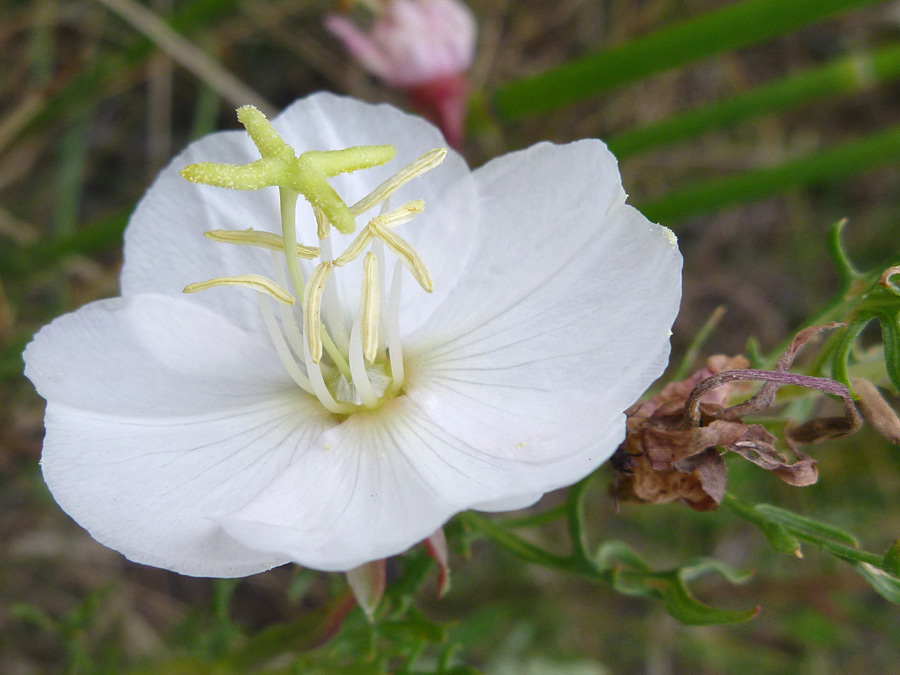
176 435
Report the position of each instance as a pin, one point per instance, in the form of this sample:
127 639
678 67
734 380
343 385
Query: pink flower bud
423 47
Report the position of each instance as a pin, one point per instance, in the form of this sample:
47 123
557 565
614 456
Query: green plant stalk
735 26
819 167
521 548
846 75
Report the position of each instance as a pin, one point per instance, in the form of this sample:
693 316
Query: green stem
575 508
853 73
737 25
828 165
842 264
519 547
537 519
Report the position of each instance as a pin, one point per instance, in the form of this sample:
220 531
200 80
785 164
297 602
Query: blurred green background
748 127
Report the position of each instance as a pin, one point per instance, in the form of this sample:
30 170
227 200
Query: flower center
347 367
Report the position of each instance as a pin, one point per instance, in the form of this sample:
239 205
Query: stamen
288 200
284 353
406 253
378 250
322 224
256 282
288 322
251 237
387 220
400 215
331 306
423 164
312 307
356 247
370 303
358 368
394 348
321 391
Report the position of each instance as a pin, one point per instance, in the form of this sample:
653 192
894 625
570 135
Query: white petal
550 336
387 481
154 489
164 244
151 355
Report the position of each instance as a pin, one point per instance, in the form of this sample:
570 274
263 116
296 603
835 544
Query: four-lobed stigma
346 371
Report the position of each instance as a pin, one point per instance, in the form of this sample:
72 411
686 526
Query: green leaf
890 336
832 541
778 537
891 560
840 367
737 25
683 606
619 550
670 587
803 525
886 585
702 566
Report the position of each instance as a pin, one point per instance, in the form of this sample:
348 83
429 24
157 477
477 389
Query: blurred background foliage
748 126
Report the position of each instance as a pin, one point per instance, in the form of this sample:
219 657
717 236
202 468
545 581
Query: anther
406 253
356 247
423 164
323 227
388 220
251 237
400 215
312 309
370 303
255 282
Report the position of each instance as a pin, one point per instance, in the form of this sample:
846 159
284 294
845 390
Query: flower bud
423 47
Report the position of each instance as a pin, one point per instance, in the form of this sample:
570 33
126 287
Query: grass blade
827 165
846 75
735 26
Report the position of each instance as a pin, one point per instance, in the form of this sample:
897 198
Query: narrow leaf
890 336
778 537
825 166
887 586
845 75
737 25
802 524
891 560
687 609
